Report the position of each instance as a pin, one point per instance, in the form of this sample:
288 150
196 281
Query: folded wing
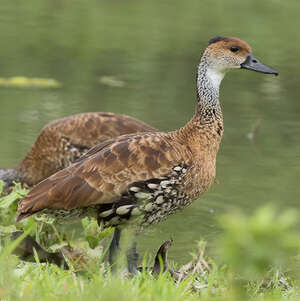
104 174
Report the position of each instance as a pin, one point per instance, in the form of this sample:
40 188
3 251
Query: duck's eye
234 48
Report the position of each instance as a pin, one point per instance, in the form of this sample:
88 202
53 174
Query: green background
154 47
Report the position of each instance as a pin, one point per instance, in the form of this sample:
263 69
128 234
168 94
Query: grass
256 258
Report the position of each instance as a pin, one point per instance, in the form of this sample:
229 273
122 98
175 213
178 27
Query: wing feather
105 173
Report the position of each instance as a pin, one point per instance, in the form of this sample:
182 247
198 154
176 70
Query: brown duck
63 141
137 180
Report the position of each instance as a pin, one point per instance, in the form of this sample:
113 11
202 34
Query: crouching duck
63 141
136 180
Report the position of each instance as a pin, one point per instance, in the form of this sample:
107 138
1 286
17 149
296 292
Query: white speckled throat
208 83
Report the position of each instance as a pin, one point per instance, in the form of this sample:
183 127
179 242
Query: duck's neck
206 126
208 109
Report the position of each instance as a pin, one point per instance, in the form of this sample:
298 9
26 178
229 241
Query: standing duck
136 180
63 141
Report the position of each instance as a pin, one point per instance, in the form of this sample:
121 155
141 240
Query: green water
154 47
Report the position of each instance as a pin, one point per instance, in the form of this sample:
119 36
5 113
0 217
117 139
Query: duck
137 180
63 141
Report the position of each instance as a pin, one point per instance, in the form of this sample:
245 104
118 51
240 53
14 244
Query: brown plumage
106 176
63 141
140 179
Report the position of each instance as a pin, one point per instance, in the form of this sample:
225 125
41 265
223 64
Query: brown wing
102 145
63 140
104 176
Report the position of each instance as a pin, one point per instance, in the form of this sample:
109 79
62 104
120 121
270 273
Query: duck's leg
128 244
132 258
114 247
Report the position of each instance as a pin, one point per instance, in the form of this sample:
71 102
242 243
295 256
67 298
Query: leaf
1 187
252 244
6 230
12 245
104 233
93 233
17 194
92 241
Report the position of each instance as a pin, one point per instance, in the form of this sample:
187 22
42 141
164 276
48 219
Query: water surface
154 47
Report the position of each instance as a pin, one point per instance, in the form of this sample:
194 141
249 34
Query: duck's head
226 53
